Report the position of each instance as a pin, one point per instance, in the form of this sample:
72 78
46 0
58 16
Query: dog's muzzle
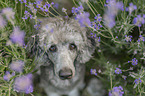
65 73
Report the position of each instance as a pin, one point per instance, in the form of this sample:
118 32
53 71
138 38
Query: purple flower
98 18
17 36
27 15
116 91
3 23
17 65
131 8
9 13
8 76
78 10
118 71
56 5
137 81
141 38
23 84
93 71
139 20
128 38
83 19
111 11
124 77
134 61
52 30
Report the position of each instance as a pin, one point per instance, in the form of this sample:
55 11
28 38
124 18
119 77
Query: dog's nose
65 74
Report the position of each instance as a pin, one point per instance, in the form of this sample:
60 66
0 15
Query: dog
62 47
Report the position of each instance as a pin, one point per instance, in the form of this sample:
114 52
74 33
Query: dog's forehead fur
57 31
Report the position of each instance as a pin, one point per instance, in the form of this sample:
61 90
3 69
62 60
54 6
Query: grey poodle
62 48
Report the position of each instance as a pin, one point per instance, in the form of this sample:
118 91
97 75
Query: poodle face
63 52
63 48
62 45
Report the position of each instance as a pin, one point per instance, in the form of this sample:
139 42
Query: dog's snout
65 74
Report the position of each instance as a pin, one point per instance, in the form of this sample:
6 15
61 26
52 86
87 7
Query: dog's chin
63 84
59 83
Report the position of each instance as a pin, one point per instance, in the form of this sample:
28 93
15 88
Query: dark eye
72 46
53 48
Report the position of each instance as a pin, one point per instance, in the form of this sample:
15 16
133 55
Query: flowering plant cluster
118 27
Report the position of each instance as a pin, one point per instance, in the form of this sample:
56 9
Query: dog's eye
53 48
72 46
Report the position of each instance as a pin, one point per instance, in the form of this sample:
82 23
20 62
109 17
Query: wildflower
128 38
8 76
118 71
23 1
98 18
112 10
116 91
141 38
124 77
9 13
23 84
27 15
3 23
134 61
17 36
93 71
56 5
138 20
131 8
64 10
31 7
17 65
78 10
83 19
51 30
137 81
38 3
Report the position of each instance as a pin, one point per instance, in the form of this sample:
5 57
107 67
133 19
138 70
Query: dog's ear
88 49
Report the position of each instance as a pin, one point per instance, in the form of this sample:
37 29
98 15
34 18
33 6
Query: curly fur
64 32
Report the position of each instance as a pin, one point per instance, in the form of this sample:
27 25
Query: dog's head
64 43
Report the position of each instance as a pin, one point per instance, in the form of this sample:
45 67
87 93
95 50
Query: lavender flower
8 76
23 1
52 30
131 8
17 66
93 71
78 10
3 23
116 91
17 36
134 61
27 15
83 19
124 77
56 5
23 84
128 38
141 38
139 20
9 13
137 81
118 71
31 7
111 11
98 18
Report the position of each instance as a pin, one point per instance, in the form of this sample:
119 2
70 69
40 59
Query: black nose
65 74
